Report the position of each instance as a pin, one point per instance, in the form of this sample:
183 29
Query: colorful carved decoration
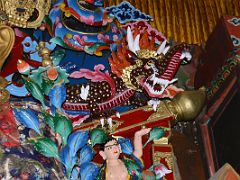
150 73
222 75
82 26
80 86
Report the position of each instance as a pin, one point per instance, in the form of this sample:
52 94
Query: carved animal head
145 66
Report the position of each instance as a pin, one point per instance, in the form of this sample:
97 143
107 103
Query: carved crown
19 12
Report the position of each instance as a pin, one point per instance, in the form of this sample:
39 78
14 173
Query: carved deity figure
115 168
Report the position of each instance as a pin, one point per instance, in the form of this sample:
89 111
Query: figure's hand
138 152
142 132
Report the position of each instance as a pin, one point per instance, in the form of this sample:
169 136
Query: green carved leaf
46 86
45 146
34 89
37 75
59 42
62 126
57 56
98 136
155 134
92 49
49 119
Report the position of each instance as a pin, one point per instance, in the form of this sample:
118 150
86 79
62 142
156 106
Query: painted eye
150 62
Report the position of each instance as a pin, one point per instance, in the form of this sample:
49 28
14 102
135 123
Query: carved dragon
140 72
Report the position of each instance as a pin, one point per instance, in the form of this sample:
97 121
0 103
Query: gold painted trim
163 140
134 125
96 123
70 29
162 112
88 126
126 76
153 118
7 39
42 8
115 125
21 19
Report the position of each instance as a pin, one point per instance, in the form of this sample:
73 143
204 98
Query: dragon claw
84 92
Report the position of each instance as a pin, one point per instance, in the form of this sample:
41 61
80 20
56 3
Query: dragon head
147 67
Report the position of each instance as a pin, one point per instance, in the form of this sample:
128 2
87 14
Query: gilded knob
188 104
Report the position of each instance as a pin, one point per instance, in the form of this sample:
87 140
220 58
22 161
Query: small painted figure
116 168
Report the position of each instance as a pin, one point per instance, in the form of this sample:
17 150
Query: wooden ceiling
188 21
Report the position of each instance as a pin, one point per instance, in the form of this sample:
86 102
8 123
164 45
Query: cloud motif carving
235 40
234 21
125 12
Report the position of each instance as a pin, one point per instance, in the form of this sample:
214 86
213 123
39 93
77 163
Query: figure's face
112 150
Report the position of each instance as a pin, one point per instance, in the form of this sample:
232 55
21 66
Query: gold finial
44 53
187 104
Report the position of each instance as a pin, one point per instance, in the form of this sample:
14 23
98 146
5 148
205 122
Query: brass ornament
7 39
19 12
187 105
184 106
45 54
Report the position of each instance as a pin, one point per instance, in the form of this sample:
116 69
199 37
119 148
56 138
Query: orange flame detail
119 61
